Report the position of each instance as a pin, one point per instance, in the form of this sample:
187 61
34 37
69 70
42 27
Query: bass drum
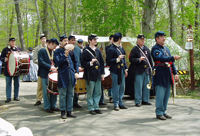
18 63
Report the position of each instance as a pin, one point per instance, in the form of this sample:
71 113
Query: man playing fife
163 78
93 64
67 75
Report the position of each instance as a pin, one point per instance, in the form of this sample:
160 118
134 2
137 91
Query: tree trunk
196 39
171 20
45 18
55 18
38 14
149 11
20 29
11 23
65 10
37 33
182 25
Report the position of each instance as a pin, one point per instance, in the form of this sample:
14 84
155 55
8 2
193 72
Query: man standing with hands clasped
164 71
93 64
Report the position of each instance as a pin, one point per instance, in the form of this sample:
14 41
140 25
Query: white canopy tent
127 42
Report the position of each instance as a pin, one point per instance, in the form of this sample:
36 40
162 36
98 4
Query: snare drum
107 83
53 83
80 87
18 63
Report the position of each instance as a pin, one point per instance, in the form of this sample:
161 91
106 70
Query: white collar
93 48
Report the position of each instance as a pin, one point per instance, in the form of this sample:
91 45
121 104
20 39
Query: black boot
63 115
69 114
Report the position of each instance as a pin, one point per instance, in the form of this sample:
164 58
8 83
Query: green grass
190 94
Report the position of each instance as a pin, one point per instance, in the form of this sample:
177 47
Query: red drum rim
51 92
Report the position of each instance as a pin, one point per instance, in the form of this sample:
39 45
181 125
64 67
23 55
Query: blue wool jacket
163 74
66 65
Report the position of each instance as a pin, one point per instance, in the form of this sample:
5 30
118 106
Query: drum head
11 64
80 75
107 71
53 76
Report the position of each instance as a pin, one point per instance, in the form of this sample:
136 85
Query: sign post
189 45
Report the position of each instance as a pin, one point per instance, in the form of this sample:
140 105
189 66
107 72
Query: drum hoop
28 62
50 78
52 92
16 64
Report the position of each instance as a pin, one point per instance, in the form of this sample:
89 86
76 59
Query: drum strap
50 56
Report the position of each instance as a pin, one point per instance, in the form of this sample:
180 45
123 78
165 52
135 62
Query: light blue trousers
49 99
93 94
9 86
141 91
162 97
118 90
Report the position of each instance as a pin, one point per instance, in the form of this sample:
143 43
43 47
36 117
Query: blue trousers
118 90
49 99
140 85
102 96
162 97
109 93
66 98
75 99
9 86
93 94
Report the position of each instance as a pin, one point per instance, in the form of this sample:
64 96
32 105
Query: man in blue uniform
67 75
9 78
141 65
116 60
77 52
164 71
93 64
45 61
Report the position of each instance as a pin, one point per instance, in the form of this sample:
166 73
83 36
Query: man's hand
53 68
67 52
121 56
176 77
126 74
142 58
102 78
76 75
93 60
80 69
176 57
6 59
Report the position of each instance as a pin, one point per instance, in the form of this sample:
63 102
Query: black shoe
92 112
16 99
8 100
167 116
49 110
146 103
63 115
55 109
77 106
102 104
69 114
98 111
138 104
160 117
123 107
111 100
38 103
116 108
